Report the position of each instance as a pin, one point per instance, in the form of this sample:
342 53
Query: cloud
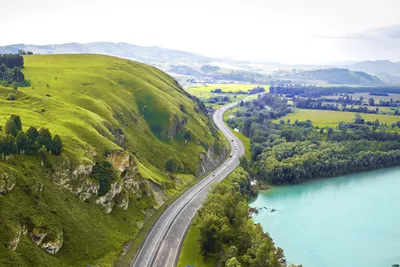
390 33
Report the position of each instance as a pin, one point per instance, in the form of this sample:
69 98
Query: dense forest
227 232
10 71
294 152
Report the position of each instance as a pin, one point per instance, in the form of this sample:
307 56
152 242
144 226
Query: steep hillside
105 109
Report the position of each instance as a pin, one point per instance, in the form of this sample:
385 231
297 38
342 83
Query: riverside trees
227 231
288 153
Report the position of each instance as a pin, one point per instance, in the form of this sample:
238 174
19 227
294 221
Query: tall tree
21 141
44 138
13 125
57 145
371 102
32 133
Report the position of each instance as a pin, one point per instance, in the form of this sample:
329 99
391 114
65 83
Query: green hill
104 109
339 76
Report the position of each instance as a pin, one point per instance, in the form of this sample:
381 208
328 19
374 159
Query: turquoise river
347 221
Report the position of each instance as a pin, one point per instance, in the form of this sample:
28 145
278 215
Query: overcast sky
288 31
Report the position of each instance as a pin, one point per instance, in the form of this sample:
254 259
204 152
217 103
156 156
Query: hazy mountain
376 67
146 54
186 66
178 63
338 76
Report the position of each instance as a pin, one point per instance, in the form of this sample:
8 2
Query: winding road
162 246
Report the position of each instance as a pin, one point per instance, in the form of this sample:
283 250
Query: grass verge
190 253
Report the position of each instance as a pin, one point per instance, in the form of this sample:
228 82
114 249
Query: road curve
162 246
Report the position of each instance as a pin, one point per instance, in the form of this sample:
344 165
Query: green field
367 96
388 110
225 87
330 118
381 110
87 99
204 92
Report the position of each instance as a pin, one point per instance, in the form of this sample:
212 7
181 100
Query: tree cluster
12 60
314 91
219 99
10 70
227 232
255 90
311 103
16 141
173 165
300 161
390 103
24 53
260 110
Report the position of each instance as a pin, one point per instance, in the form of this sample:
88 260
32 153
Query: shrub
171 165
104 173
11 97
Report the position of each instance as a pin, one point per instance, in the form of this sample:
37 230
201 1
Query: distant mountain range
186 66
339 76
376 67
148 54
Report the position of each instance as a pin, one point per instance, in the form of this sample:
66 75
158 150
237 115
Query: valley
135 134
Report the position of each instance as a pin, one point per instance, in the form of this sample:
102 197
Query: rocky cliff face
210 160
129 185
176 126
53 245
75 179
50 240
131 182
21 230
7 182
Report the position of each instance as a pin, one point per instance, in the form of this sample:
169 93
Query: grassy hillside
97 105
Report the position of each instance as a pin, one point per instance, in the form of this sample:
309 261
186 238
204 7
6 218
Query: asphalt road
162 245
